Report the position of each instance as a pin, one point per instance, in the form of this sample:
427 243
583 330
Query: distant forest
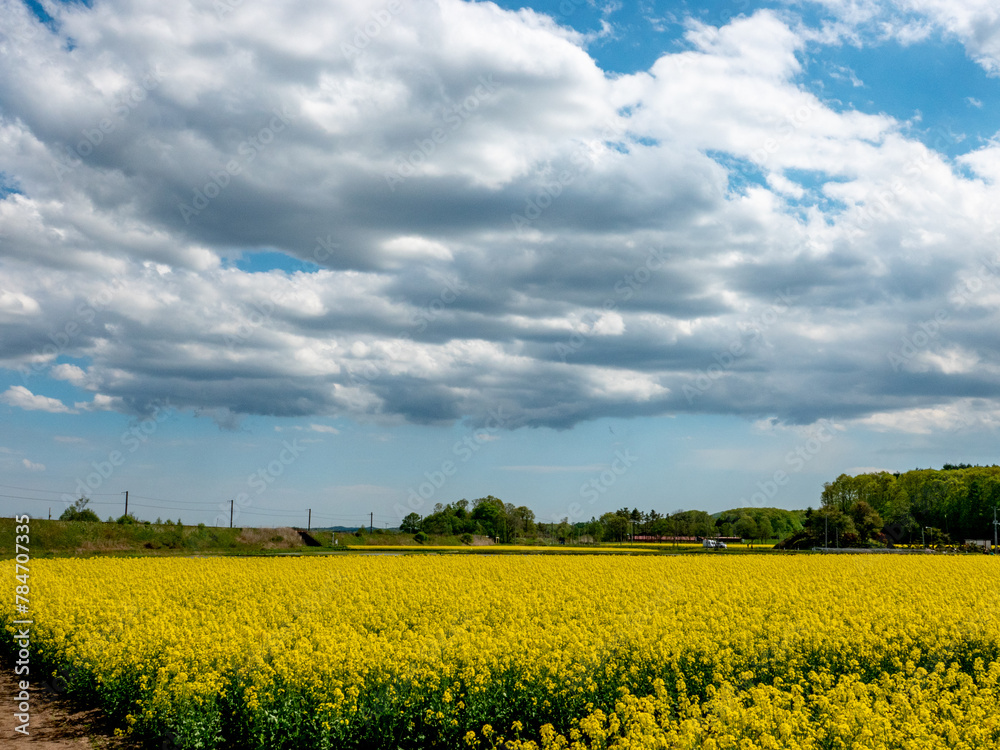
932 506
492 517
936 506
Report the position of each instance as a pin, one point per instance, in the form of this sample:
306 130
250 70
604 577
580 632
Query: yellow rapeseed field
527 652
507 549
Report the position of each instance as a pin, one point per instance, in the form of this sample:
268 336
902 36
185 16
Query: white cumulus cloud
20 397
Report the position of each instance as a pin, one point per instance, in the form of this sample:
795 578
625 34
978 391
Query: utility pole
50 514
126 502
309 525
231 503
995 522
371 523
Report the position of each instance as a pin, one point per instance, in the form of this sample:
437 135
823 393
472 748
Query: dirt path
56 722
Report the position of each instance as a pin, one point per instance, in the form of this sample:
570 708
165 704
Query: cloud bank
423 211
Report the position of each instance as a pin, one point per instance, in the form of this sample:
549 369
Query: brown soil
56 723
278 538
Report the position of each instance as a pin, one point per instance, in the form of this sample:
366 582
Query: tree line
932 506
505 522
487 516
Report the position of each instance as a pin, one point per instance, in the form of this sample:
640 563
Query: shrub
173 539
420 537
79 511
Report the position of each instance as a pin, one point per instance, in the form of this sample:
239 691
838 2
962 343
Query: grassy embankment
61 538
79 538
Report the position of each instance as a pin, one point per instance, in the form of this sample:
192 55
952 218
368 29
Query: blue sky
364 259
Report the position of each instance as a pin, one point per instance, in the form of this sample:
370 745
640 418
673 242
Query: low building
661 538
984 543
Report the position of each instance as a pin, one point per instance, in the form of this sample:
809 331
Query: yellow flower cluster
527 652
510 548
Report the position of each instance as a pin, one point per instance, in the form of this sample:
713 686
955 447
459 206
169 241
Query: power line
20 497
258 510
52 492
48 500
178 502
202 505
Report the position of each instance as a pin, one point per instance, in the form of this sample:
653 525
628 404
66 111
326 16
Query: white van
713 544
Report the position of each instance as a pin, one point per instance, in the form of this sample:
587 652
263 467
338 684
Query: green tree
746 527
564 531
615 526
79 511
764 530
523 521
410 523
866 519
842 493
595 530
492 513
832 524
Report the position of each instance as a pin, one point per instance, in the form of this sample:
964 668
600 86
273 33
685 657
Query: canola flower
506 549
531 652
